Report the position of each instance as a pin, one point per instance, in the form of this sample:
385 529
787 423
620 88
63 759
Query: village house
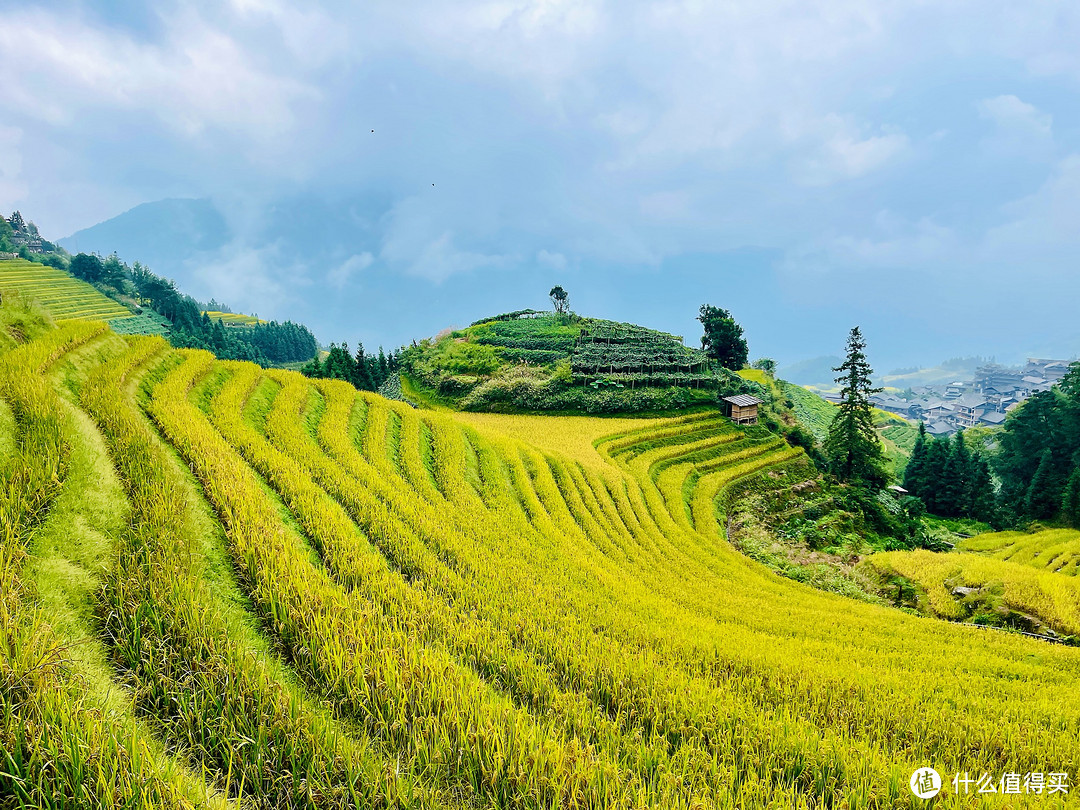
968 409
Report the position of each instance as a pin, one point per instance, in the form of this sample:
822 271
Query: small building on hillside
742 409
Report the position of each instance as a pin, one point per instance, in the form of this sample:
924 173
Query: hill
897 434
222 584
536 361
61 295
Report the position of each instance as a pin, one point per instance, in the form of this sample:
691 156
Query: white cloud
343 273
419 238
250 279
1011 114
1040 235
199 77
892 243
553 260
843 152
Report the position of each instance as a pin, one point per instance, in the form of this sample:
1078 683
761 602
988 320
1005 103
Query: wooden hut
742 409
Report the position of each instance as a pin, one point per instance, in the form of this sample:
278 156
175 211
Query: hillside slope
63 296
307 596
536 361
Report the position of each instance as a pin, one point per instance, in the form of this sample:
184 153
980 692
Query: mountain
162 234
815 371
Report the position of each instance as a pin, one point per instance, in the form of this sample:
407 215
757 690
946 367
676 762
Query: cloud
1040 236
552 260
198 77
344 272
12 186
1016 117
583 134
844 153
893 243
418 240
250 279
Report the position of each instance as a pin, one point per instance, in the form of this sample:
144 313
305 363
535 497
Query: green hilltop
544 362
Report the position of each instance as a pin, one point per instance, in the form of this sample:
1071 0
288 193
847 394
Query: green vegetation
852 447
950 479
138 301
723 340
366 372
1039 455
531 361
61 295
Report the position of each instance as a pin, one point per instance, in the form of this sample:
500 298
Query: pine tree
1040 502
937 456
982 502
363 370
914 473
955 484
1070 501
852 447
384 371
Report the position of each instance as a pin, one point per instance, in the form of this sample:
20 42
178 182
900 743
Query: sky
384 170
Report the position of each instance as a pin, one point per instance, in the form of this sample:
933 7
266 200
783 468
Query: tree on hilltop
852 447
560 299
723 340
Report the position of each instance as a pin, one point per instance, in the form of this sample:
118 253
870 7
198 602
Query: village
980 402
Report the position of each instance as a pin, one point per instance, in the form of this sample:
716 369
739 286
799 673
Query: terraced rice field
232 319
64 296
1056 550
298 595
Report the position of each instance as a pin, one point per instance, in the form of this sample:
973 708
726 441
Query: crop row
59 748
1056 550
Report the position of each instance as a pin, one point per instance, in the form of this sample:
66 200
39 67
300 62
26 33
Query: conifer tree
852 447
384 370
937 456
982 503
1040 502
955 483
915 472
363 370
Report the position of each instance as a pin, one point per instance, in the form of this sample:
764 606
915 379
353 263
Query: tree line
266 344
365 371
1038 458
951 479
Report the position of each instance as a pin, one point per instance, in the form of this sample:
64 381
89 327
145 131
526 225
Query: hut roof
743 400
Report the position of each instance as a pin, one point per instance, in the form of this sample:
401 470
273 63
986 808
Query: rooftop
743 400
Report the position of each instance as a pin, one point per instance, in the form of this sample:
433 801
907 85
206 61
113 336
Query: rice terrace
225 585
